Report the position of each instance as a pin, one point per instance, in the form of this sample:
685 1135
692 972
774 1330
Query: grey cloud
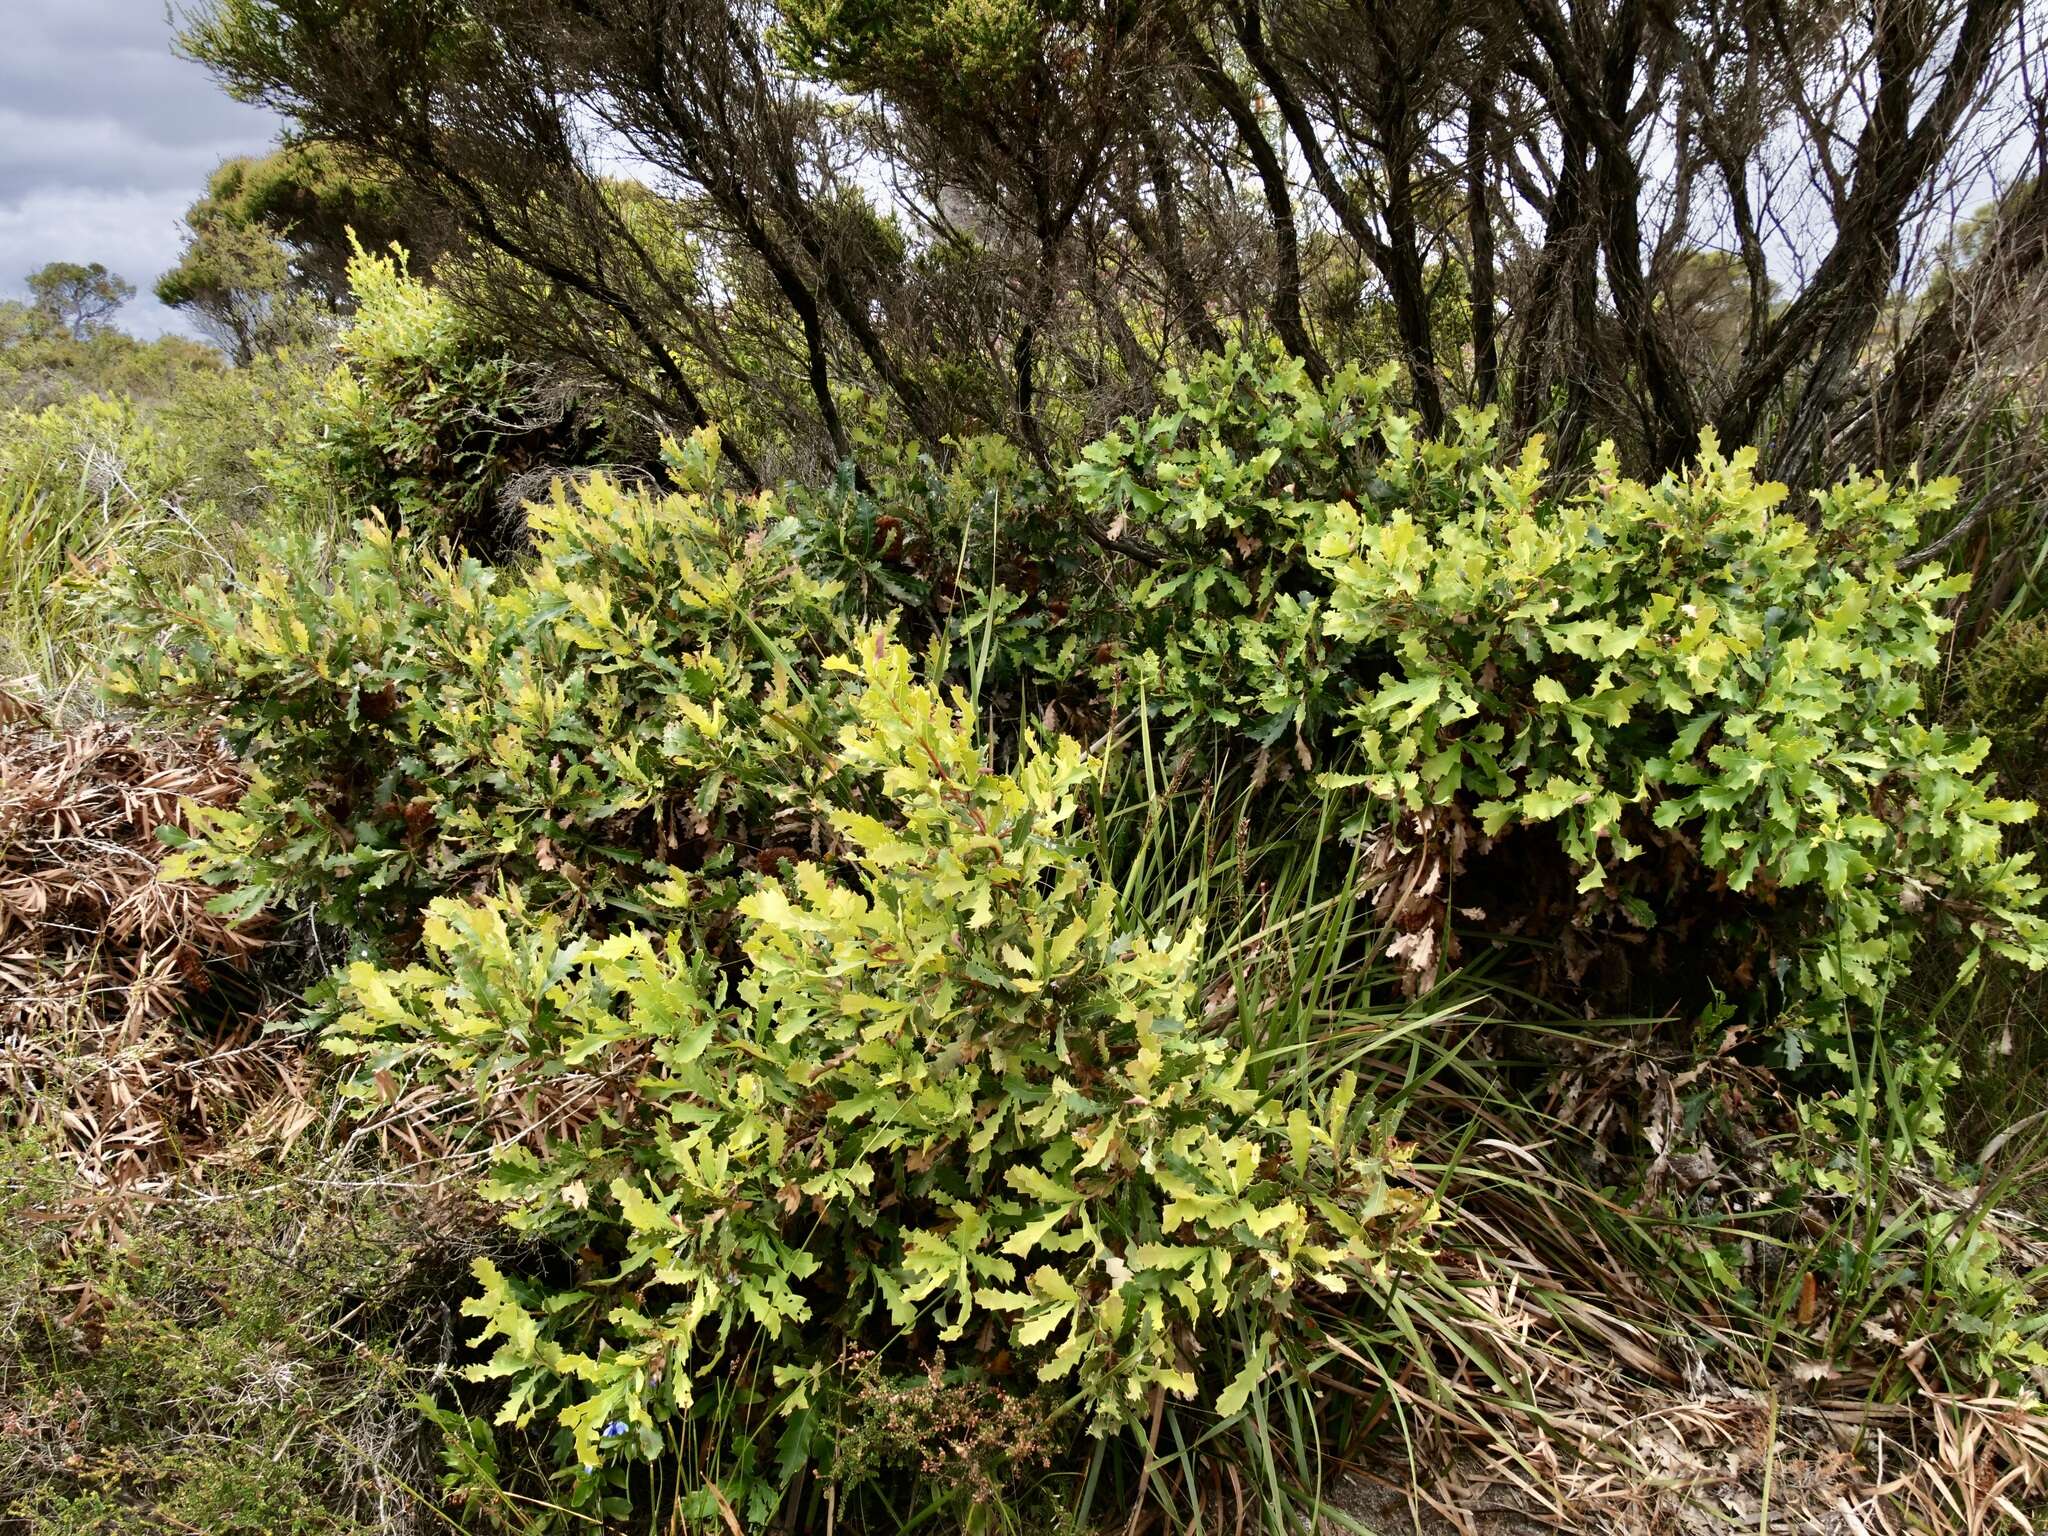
105 136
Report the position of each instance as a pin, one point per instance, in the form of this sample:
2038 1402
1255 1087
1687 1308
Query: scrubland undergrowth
1412 977
723 863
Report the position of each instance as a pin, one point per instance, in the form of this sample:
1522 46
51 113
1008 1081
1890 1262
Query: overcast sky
105 137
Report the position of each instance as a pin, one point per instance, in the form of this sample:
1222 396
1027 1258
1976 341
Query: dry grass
130 1020
1587 1397
1595 1443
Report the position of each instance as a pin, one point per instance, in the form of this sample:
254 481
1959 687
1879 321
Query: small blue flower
613 1430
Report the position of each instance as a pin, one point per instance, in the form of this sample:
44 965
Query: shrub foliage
949 1097
828 1064
422 419
1685 691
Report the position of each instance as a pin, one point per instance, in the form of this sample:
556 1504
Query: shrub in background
639 695
423 421
978 548
2005 695
43 364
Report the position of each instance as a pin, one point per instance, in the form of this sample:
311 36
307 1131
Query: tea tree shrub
636 697
949 1104
1705 702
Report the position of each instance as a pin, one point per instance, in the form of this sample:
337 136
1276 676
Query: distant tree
319 200
267 247
79 300
235 280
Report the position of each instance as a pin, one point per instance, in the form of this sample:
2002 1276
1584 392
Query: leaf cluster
631 700
950 1103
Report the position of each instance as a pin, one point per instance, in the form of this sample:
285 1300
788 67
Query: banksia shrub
1616 709
639 698
1222 487
948 1104
422 421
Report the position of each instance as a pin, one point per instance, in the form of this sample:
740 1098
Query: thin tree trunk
1285 306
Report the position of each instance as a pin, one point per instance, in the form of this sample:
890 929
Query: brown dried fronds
1408 871
1609 1431
128 1015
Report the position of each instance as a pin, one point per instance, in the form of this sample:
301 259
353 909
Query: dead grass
131 1023
1593 1445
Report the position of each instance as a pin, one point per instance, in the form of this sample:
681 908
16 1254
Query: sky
105 137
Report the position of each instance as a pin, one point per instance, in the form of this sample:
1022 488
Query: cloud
105 136
134 232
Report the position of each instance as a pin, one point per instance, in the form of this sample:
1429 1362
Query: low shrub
639 696
235 1364
948 1105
